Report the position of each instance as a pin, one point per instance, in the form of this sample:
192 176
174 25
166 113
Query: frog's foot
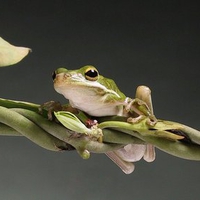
152 120
53 106
135 120
50 107
141 108
138 106
149 154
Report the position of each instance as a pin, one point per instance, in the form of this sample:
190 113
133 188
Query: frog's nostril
53 75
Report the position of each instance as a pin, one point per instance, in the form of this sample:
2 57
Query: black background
156 43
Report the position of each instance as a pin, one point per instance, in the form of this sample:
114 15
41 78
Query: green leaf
71 122
10 55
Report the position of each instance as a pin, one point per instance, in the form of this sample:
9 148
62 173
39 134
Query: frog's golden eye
91 74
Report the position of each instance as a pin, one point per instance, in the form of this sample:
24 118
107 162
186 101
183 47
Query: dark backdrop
156 43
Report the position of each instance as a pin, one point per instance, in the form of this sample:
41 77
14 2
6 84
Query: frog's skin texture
99 96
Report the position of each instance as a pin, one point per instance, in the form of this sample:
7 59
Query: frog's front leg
141 105
143 94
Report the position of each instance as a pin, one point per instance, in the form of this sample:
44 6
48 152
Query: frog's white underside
90 102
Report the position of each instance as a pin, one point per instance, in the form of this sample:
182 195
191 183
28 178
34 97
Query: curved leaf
10 55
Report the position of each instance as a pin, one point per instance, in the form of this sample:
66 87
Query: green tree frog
98 96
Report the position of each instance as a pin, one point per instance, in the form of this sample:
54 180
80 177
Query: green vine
19 118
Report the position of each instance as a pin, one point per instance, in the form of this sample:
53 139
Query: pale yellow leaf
9 54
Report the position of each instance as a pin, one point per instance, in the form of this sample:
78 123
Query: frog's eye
91 74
